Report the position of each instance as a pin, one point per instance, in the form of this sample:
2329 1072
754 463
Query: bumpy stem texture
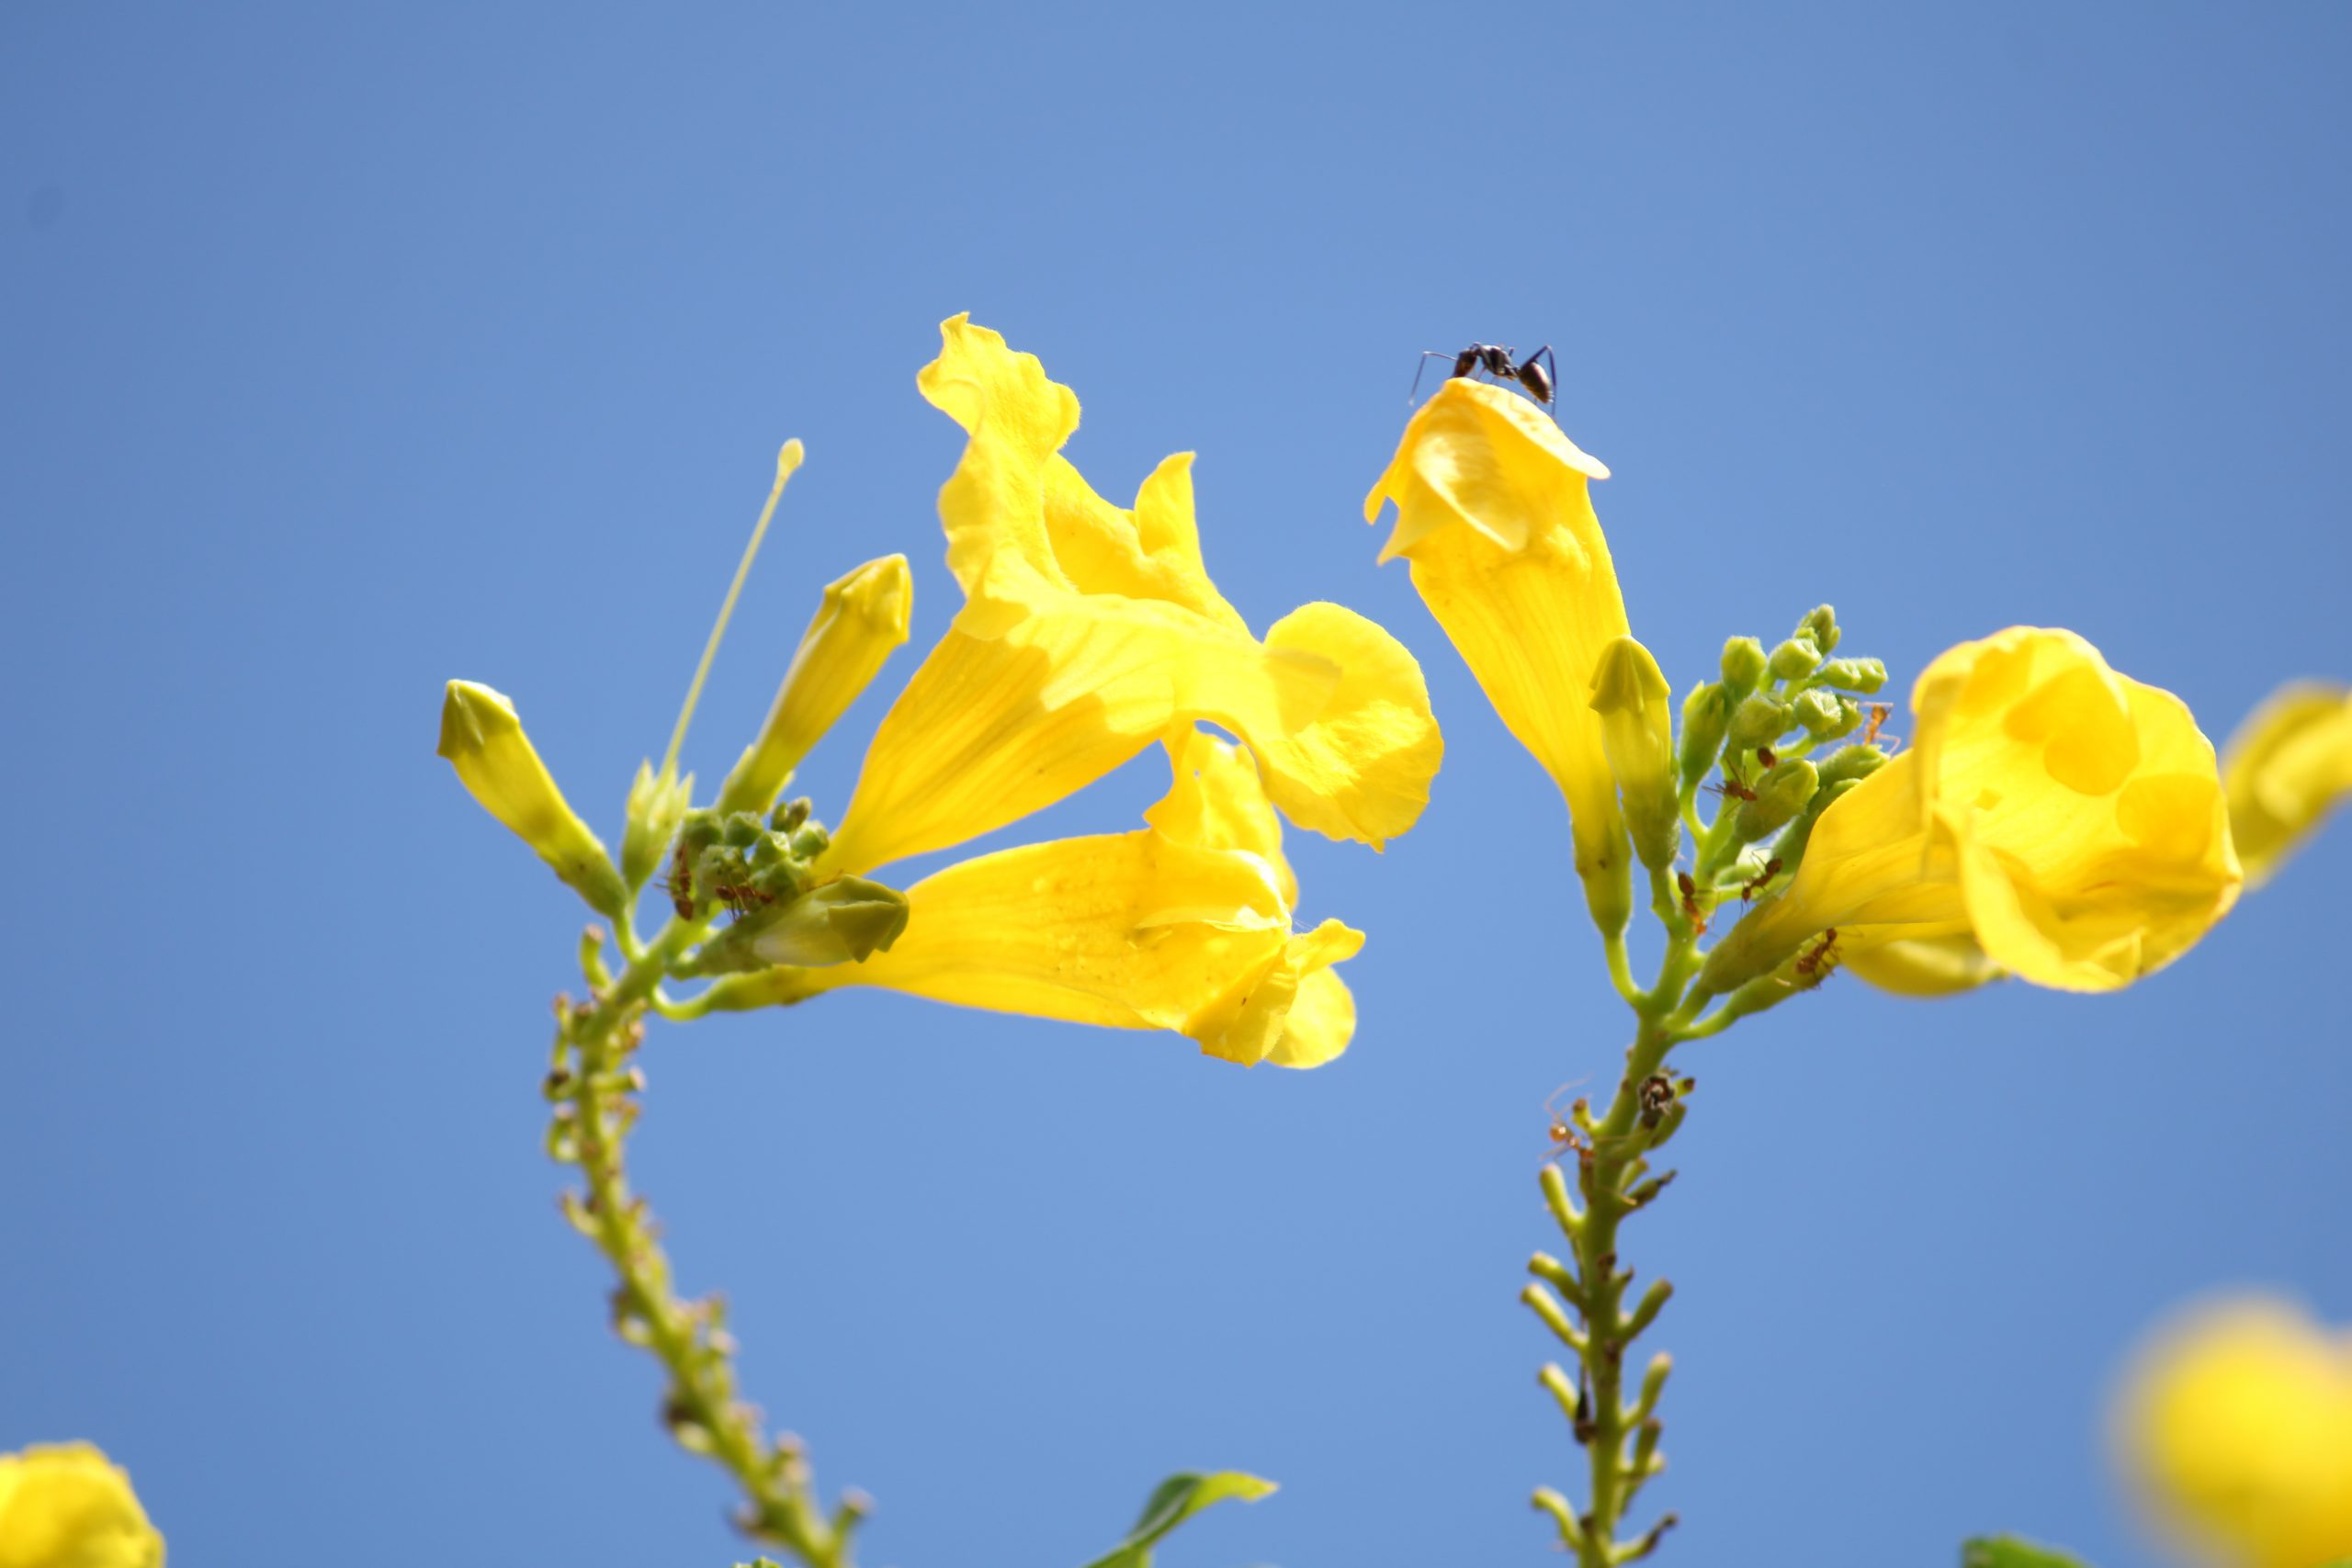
594 1089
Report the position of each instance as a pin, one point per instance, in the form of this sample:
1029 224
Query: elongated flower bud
840 922
863 618
1638 735
1706 717
657 803
484 741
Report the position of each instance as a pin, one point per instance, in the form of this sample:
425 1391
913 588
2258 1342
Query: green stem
594 1087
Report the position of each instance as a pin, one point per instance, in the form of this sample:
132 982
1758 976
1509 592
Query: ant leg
1427 355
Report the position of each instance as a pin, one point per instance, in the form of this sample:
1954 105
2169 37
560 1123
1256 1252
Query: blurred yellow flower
65 1505
1184 925
1091 630
1494 515
2235 1427
2286 768
2068 819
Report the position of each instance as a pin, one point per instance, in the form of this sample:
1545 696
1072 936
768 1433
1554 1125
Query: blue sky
351 349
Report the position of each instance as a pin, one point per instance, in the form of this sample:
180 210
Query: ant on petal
1494 359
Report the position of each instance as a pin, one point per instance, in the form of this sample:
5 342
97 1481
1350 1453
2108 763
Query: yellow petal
2286 767
64 1506
1090 631
1184 925
1493 512
2068 817
863 618
2235 1423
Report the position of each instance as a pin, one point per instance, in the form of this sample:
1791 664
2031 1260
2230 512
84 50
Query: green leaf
2009 1551
1172 1501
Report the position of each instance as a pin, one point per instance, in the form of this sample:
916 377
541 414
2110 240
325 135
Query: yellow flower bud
2235 1424
2286 768
484 741
863 618
1638 735
64 1506
2067 817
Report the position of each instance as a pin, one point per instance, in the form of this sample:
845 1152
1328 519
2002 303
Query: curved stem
594 1089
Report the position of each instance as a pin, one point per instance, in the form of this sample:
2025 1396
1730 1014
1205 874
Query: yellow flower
2067 817
1182 925
2235 1424
1493 513
2286 768
64 1506
1089 631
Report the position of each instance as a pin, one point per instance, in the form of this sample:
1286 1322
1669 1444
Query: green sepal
657 804
483 739
1637 736
2009 1551
1785 790
1794 659
1172 1501
1759 720
845 920
1824 715
1856 762
1743 664
1706 719
1863 675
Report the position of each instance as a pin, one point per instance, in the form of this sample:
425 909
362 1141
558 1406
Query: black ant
1494 360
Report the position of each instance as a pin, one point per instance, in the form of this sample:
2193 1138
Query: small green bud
1863 675
1744 664
1821 626
1794 659
1822 713
484 741
1781 792
1851 762
1638 735
1759 720
862 620
657 804
1706 717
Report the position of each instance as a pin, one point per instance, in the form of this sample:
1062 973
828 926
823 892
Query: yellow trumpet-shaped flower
66 1506
1494 515
2068 819
1091 630
2286 768
1185 924
2235 1425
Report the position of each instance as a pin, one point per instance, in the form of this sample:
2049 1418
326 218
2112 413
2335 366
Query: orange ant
1764 755
1690 910
1565 1135
1732 789
1820 962
1771 869
740 898
679 884
1879 714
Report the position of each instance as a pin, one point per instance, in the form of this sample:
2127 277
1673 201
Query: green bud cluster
744 861
1757 721
759 866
